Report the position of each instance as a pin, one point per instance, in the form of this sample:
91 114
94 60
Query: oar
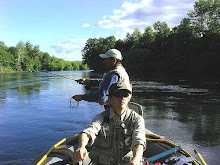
163 154
202 161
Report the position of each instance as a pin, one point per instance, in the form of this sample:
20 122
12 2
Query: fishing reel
88 87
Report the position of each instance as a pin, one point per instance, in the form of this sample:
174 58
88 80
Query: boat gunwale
154 138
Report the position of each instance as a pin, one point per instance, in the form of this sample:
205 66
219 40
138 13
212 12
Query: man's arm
139 140
81 153
99 96
89 81
87 137
137 155
83 81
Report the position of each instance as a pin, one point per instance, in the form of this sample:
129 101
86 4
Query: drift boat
159 151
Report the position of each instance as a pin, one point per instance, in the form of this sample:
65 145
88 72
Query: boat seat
136 107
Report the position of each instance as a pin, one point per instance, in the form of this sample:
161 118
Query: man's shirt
101 95
138 135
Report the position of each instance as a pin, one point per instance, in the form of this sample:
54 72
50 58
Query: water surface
35 112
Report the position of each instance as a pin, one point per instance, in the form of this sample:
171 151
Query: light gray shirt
138 135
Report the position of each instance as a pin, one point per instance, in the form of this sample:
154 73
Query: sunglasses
119 94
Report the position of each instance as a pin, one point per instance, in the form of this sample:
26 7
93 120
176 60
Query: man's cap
114 88
112 53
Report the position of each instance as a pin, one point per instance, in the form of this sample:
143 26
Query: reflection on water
35 112
195 107
187 109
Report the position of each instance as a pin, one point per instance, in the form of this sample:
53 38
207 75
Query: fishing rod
60 76
87 86
202 161
200 158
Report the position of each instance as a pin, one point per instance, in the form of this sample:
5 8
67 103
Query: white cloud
69 49
116 11
86 25
69 46
146 13
71 57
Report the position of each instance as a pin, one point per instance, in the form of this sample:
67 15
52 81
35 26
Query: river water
35 112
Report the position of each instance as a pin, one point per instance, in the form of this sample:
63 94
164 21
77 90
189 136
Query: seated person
116 73
117 134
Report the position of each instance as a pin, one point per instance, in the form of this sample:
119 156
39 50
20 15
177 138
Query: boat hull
62 152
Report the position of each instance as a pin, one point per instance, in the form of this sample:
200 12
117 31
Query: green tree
185 30
135 36
28 46
26 64
76 65
93 48
177 55
140 61
6 59
206 16
61 64
20 53
54 63
26 57
147 38
162 32
13 51
33 57
84 67
37 64
131 40
45 61
68 66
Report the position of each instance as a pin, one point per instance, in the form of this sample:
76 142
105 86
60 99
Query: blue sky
61 27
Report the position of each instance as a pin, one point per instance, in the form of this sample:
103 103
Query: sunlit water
35 112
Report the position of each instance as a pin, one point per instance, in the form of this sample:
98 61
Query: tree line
192 47
26 57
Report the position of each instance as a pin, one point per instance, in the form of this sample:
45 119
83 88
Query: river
35 112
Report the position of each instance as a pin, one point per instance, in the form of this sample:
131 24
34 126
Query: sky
62 27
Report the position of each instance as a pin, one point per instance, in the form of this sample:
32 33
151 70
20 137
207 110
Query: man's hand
78 97
83 81
137 155
80 154
135 161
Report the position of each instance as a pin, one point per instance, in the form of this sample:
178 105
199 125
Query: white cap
112 53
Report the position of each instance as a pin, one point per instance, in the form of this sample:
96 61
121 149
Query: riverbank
9 71
5 70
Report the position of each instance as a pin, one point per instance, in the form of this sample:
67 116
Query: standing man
117 135
116 73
